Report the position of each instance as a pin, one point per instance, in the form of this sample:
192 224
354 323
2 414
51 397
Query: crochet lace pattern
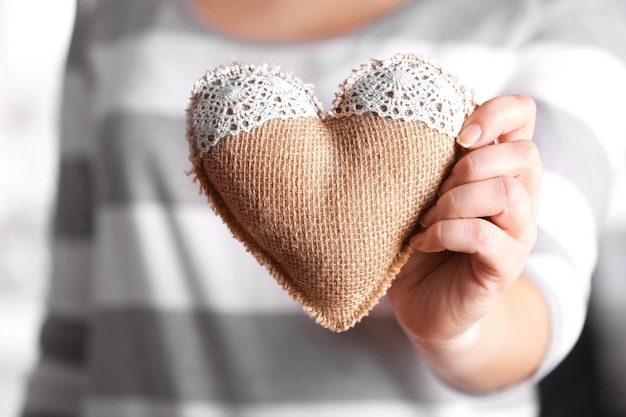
327 203
236 98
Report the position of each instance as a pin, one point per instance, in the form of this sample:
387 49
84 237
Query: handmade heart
327 203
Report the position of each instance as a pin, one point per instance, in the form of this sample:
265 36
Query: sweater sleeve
574 69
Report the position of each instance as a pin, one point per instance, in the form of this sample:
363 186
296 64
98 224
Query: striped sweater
154 310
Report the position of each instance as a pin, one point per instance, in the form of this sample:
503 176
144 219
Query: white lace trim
236 98
409 88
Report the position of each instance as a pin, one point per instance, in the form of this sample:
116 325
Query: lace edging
406 87
236 98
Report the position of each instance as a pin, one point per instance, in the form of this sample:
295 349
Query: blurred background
33 43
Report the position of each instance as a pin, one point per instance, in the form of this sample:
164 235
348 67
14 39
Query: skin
461 298
283 21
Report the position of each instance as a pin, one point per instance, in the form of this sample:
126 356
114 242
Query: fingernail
429 217
417 241
469 135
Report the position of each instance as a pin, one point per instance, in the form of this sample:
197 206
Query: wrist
501 349
450 346
459 360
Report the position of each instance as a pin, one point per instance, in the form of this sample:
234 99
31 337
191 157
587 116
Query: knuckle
483 233
442 231
526 102
469 167
528 152
507 190
451 202
494 112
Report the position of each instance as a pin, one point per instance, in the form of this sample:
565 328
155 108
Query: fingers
495 184
518 159
503 119
488 204
503 200
495 253
493 220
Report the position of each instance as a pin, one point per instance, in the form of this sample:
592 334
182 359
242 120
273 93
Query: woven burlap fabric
327 205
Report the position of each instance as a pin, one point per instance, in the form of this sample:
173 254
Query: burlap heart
326 203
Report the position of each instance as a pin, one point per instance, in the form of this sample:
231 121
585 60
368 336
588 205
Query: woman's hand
472 250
